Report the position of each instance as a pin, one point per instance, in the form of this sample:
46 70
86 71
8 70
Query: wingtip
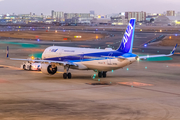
173 51
7 52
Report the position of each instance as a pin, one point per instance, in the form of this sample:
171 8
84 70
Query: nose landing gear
66 73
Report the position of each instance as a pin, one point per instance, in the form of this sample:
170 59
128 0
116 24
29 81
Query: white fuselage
86 58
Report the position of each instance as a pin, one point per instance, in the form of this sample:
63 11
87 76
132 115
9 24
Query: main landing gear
102 74
66 73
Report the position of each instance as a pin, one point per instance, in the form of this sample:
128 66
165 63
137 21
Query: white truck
35 66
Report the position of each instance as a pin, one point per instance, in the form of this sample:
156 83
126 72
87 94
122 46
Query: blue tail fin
127 41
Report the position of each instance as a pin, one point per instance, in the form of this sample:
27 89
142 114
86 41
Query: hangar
167 20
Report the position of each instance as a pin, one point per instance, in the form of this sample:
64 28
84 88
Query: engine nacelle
48 69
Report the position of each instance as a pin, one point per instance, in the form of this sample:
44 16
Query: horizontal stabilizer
162 55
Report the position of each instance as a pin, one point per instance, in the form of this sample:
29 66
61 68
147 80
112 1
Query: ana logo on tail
127 41
127 34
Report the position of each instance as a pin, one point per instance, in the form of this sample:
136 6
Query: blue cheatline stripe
88 57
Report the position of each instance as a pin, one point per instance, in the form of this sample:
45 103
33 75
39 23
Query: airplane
99 60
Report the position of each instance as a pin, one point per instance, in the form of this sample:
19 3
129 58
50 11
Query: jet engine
48 69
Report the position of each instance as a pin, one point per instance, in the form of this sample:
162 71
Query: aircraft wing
49 61
153 56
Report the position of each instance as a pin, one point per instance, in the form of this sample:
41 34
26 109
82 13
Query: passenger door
109 58
82 56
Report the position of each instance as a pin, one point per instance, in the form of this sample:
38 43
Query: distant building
49 21
3 21
140 16
170 13
92 12
113 15
84 20
152 14
24 16
101 21
59 16
74 20
101 16
178 14
77 15
77 18
119 20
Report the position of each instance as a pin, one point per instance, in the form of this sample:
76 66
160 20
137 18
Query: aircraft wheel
99 74
104 74
65 76
24 67
69 75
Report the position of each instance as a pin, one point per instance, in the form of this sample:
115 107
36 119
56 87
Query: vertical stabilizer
128 38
